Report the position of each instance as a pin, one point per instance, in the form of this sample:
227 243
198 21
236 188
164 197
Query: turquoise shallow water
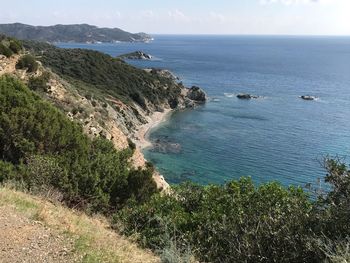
278 137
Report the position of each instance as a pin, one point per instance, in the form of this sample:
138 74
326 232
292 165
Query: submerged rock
164 146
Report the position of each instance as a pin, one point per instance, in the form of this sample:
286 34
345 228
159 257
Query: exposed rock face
197 95
245 96
163 73
136 55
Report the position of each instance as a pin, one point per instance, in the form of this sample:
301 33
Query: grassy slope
94 241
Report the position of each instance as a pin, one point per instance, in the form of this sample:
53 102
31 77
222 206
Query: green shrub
42 173
237 222
15 46
27 62
4 50
75 111
39 83
131 144
333 210
93 103
7 171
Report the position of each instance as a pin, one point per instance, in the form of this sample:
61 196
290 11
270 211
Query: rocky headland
136 55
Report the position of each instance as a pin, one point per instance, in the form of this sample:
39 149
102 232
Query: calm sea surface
277 137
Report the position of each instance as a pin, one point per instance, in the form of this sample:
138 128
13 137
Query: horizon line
193 34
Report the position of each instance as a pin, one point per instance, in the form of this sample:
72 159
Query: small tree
39 83
4 50
29 62
15 46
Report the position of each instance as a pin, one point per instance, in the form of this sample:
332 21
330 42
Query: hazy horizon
223 17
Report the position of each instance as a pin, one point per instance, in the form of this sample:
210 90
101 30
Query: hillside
32 227
80 33
106 96
69 121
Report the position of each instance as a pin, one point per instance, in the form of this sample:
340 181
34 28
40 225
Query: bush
131 144
4 50
15 46
237 222
27 62
39 83
333 210
7 171
43 173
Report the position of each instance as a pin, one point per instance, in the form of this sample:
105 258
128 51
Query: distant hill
80 33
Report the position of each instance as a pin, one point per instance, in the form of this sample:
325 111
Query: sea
276 137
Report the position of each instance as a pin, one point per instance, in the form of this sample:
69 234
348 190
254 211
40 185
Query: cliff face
106 103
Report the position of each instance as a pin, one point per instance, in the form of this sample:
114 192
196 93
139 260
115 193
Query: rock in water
245 96
307 97
197 95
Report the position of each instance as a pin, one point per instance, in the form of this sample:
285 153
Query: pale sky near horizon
272 17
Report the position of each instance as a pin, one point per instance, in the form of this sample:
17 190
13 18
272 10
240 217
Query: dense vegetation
9 46
42 149
100 74
239 222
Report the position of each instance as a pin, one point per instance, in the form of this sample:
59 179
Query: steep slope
35 230
81 33
106 96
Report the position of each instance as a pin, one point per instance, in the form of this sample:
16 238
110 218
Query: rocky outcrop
245 96
163 73
136 55
308 97
197 95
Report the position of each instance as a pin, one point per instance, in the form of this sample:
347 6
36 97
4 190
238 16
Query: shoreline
142 134
142 141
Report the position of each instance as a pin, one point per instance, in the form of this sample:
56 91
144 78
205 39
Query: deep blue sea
278 137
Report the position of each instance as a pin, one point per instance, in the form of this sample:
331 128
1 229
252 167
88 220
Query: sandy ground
142 139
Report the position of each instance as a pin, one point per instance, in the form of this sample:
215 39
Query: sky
252 17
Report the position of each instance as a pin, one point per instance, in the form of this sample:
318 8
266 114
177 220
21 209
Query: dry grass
94 241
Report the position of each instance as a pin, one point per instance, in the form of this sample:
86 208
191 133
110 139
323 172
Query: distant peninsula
77 33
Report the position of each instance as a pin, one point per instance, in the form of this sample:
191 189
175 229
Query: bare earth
24 240
33 230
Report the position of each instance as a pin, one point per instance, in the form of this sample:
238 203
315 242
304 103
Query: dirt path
24 240
34 230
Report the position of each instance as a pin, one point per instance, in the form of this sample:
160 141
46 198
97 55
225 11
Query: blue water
278 137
